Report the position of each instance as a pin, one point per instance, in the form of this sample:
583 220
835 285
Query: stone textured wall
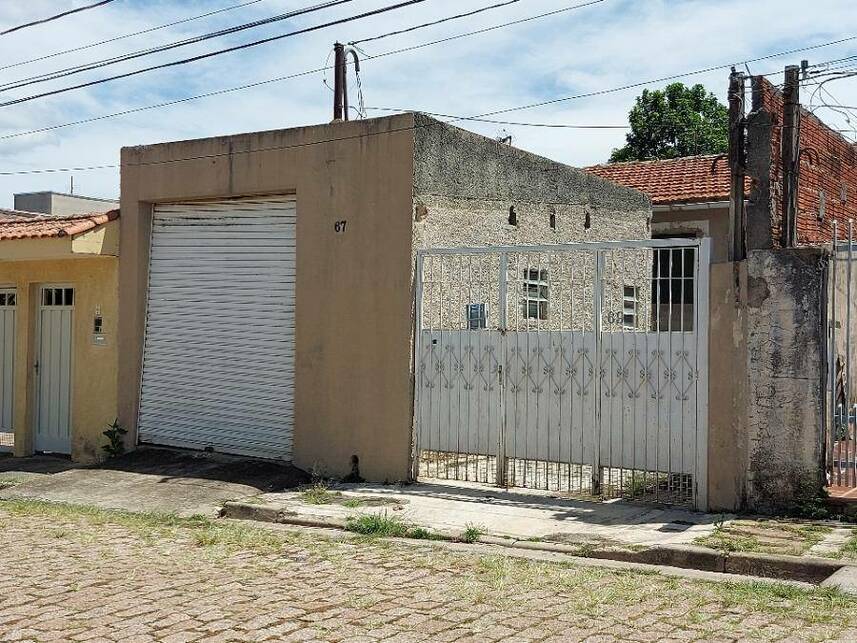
785 320
464 187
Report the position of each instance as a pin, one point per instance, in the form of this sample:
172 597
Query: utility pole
340 91
737 165
790 154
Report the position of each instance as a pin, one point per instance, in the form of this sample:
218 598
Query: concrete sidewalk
148 480
450 509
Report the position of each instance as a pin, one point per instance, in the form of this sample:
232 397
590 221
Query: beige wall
354 291
727 389
710 222
93 382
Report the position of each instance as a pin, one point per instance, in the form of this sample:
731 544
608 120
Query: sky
606 45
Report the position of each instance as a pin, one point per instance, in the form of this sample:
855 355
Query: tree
673 122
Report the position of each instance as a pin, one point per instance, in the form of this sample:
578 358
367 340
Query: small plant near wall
115 435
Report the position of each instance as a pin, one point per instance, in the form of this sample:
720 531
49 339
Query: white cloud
614 43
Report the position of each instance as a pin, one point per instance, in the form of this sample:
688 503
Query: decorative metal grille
575 400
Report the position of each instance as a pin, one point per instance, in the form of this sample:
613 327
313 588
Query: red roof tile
34 226
691 179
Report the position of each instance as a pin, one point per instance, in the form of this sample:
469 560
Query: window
7 299
477 316
58 297
536 293
630 306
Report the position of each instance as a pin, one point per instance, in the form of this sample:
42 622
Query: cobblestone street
87 575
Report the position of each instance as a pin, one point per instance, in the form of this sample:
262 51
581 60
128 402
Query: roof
15 215
33 226
690 179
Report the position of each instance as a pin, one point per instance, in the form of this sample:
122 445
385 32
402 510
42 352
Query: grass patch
7 482
201 531
319 494
472 533
764 536
849 549
382 525
824 605
352 503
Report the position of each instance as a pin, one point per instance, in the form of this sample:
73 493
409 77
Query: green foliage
115 435
471 533
386 526
317 494
673 122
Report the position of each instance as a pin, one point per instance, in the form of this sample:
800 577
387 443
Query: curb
767 566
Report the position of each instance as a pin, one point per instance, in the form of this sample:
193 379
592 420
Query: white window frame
481 318
536 287
630 307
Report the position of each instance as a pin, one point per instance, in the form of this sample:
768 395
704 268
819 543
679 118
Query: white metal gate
579 368
8 305
218 360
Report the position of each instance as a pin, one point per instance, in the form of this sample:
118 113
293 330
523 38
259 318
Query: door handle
36 366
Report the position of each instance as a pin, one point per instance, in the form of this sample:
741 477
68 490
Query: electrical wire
129 35
455 117
391 53
438 22
325 68
55 17
213 155
212 54
106 62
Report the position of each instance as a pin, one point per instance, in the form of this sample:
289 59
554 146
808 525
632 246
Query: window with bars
58 297
536 293
477 316
7 299
630 307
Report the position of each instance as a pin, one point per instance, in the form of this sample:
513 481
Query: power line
496 122
306 144
129 35
219 52
295 75
398 51
55 17
78 69
437 22
665 78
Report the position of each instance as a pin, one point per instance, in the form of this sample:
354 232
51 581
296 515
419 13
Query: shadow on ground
150 479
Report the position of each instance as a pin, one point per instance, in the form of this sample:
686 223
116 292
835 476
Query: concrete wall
786 344
464 187
709 222
354 297
728 450
60 204
94 368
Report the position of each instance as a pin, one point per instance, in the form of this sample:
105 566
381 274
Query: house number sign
339 226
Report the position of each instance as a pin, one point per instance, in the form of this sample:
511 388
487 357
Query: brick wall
828 164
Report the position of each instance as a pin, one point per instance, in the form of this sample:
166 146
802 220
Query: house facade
690 196
267 279
58 321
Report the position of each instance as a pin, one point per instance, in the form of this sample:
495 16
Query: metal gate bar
575 368
841 431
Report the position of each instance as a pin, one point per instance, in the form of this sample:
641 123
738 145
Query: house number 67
339 226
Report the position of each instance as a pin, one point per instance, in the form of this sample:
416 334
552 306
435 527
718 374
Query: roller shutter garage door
219 351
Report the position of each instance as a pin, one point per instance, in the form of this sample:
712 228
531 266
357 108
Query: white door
218 360
53 370
7 359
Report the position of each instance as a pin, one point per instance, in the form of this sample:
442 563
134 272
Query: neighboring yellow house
58 353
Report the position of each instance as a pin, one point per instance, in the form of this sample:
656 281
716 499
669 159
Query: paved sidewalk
91 577
449 508
148 480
